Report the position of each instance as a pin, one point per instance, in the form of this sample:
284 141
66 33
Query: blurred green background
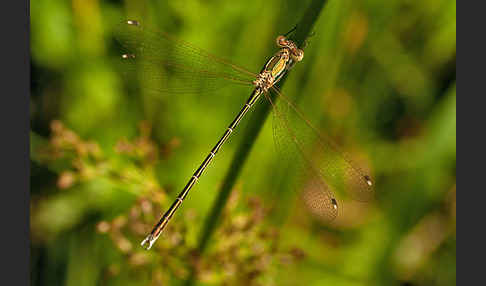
107 158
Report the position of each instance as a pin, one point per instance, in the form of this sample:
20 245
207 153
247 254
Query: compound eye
281 41
298 54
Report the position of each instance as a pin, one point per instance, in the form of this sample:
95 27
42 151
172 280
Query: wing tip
133 22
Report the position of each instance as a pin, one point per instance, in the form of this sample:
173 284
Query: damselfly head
281 41
296 53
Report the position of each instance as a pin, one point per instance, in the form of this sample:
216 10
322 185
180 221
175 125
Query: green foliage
108 157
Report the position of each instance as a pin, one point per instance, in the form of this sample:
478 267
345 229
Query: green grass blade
302 32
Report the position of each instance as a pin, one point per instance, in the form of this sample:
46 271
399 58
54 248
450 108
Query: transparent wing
322 167
168 65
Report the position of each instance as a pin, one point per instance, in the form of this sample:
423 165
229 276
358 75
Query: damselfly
152 51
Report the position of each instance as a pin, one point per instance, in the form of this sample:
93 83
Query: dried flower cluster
86 161
243 250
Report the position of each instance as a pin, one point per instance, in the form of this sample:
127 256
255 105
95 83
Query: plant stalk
301 33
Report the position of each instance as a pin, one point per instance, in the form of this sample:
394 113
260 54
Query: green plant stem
301 33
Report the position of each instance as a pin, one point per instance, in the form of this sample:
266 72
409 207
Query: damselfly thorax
279 64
